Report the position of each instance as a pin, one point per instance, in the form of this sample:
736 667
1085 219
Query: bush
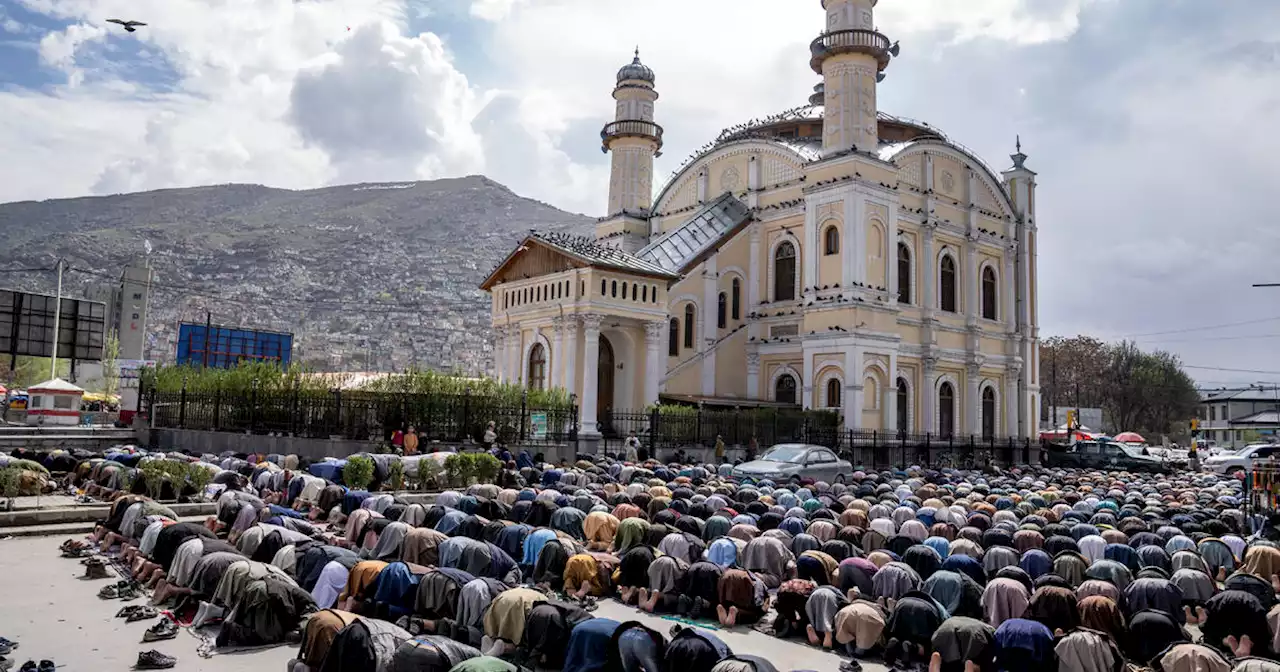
429 475
463 469
395 475
457 469
10 482
358 473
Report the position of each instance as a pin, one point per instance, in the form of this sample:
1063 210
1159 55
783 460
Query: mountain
384 273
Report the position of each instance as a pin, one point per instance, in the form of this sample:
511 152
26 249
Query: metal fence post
697 432
293 411
524 414
182 405
653 431
573 416
466 414
253 408
217 408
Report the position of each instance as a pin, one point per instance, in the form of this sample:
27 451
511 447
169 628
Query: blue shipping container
226 347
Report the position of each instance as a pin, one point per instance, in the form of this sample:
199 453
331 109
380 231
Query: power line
1219 368
25 270
1203 328
1209 338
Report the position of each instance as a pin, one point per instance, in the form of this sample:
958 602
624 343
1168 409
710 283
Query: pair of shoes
164 628
44 666
142 613
96 568
154 660
128 610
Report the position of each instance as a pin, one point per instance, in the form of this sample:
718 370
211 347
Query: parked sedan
796 462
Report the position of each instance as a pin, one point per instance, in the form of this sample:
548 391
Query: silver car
795 462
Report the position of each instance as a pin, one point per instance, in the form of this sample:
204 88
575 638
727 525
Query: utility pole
1053 380
57 315
208 327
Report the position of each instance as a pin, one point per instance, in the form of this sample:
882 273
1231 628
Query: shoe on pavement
154 660
46 666
96 568
163 629
142 613
5 664
29 666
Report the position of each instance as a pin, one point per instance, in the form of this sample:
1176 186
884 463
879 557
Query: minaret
1020 183
635 141
851 57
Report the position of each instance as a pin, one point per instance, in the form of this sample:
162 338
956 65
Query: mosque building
830 256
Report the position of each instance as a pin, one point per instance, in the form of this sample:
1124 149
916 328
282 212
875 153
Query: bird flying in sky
129 26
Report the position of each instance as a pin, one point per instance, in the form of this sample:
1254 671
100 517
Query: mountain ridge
369 275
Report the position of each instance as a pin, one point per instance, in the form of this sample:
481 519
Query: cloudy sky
1149 121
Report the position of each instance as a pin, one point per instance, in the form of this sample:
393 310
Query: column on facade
753 376
1009 291
590 372
710 324
890 399
570 356
499 352
1011 399
653 360
925 266
929 396
973 400
806 382
555 376
971 281
515 368
810 254
853 388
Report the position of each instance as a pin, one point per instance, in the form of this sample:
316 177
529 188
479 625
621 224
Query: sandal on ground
163 629
142 613
109 592
46 666
154 660
127 610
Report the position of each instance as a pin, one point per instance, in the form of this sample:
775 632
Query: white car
1241 460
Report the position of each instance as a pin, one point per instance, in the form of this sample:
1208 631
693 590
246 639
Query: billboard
130 370
225 347
26 326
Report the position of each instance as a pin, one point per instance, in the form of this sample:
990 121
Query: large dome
636 70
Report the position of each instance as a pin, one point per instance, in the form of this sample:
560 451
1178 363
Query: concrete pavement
56 615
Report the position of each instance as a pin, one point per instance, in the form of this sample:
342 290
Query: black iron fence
663 431
362 416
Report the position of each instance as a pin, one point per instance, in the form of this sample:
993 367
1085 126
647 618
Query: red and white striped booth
54 402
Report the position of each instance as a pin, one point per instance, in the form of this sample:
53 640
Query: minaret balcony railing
631 128
850 41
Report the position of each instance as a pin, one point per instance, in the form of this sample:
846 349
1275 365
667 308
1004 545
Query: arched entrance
604 383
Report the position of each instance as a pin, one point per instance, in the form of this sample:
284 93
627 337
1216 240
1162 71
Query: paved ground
56 615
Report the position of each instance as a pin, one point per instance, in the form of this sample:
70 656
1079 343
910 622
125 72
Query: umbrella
1130 437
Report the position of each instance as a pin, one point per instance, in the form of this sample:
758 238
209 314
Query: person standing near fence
719 449
411 441
397 439
633 448
490 436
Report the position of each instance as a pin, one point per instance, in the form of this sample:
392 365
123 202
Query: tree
1070 370
32 370
1146 392
111 363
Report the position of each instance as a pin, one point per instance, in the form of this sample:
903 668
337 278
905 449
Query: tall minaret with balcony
851 57
635 141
